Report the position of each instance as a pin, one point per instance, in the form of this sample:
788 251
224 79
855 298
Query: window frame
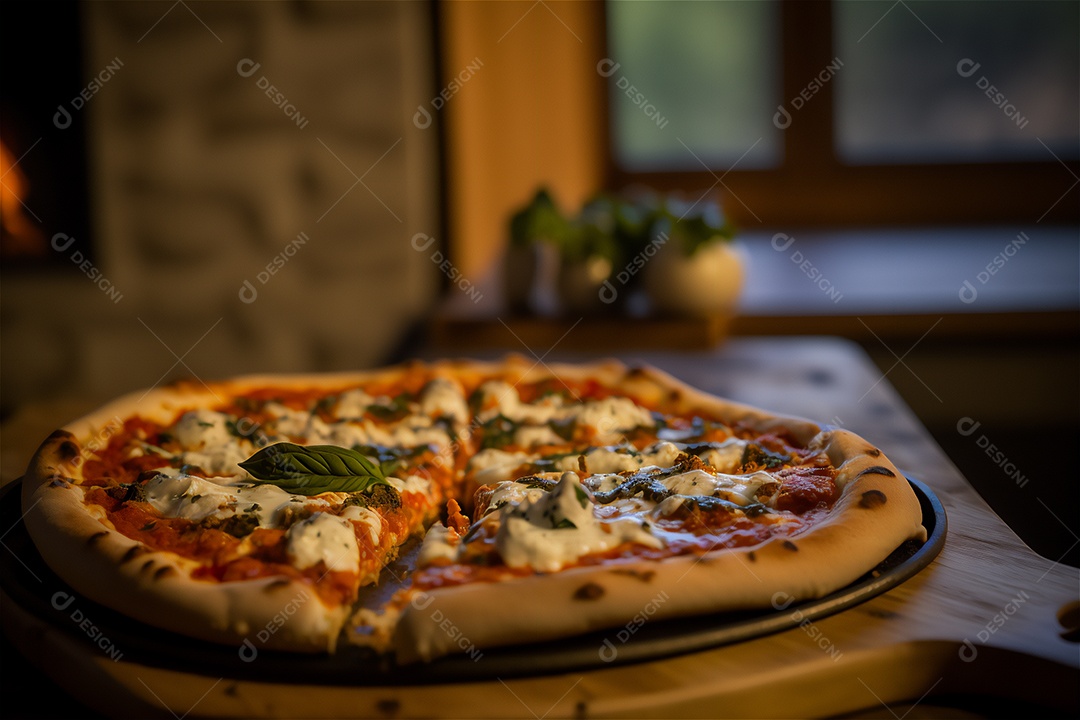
813 188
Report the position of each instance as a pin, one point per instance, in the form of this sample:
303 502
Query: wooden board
980 622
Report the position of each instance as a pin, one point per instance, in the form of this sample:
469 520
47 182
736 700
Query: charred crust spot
636 371
873 452
231 690
876 470
388 708
133 552
589 591
61 435
67 451
788 545
751 556
93 539
872 499
674 395
642 575
163 572
147 565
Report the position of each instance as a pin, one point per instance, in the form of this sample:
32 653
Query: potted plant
696 268
537 234
588 257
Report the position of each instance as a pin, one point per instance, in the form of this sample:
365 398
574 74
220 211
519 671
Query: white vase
705 283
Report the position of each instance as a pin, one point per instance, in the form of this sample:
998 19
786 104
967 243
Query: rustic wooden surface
980 623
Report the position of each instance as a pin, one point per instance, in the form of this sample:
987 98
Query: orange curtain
527 111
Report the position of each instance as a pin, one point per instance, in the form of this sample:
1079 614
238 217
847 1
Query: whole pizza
436 508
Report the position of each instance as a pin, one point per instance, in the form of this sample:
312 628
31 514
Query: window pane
957 81
693 78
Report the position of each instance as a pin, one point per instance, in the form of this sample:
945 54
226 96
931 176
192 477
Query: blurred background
208 189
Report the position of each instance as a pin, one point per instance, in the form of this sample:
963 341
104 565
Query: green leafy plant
539 221
691 225
314 469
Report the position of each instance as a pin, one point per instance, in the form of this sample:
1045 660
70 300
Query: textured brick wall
256 180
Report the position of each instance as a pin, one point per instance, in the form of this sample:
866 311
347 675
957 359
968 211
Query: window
851 112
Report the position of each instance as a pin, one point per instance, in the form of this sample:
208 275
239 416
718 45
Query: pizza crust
876 512
154 587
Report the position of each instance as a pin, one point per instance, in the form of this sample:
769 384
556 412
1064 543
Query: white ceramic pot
707 282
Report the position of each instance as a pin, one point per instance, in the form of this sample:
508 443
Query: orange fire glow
19 235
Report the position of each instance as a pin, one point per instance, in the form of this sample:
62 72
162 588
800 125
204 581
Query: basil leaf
498 432
314 469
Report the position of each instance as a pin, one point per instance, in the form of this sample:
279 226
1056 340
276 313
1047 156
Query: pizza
433 508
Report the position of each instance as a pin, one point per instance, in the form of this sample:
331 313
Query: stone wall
256 179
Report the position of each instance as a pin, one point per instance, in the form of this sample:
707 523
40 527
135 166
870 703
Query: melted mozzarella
323 537
412 431
352 404
198 429
194 498
661 454
559 527
513 493
188 497
611 415
727 457
438 544
501 398
492 465
533 435
603 460
219 460
693 482
348 434
412 483
443 397
623 458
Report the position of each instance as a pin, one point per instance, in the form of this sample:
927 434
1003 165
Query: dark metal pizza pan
28 581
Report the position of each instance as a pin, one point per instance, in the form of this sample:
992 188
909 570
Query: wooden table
983 625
